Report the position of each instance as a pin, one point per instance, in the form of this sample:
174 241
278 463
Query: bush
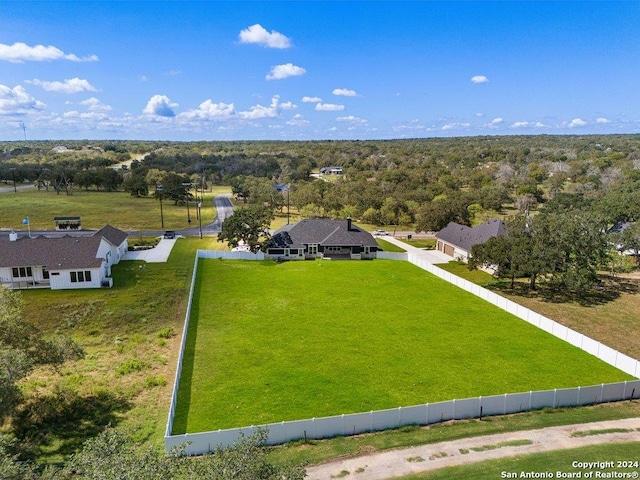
166 332
131 366
158 381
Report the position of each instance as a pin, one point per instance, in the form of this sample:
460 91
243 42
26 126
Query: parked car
170 234
380 232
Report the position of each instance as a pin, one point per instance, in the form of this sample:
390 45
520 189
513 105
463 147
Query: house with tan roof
68 262
321 238
457 240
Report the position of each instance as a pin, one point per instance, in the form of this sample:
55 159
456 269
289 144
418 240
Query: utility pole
188 185
159 190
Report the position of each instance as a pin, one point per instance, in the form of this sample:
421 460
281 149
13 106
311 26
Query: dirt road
405 461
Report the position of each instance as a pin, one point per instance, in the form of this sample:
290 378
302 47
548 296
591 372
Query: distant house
321 238
331 170
61 263
457 240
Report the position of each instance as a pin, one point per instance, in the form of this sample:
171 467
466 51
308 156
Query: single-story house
321 238
457 240
63 262
333 170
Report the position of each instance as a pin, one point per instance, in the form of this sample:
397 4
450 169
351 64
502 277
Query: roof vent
13 236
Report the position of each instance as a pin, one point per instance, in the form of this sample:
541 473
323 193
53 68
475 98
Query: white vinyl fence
351 424
607 354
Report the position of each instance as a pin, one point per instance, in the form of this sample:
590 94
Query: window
45 273
22 272
81 276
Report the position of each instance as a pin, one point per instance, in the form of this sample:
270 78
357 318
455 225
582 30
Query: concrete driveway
159 254
431 256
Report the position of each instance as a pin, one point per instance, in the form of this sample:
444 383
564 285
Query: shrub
166 332
131 366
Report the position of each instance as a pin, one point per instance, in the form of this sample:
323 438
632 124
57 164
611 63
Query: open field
271 342
131 336
97 208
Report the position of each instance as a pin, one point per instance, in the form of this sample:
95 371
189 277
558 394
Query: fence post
399 416
504 409
555 395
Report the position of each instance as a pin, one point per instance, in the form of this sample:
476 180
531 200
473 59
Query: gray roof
323 231
466 237
57 253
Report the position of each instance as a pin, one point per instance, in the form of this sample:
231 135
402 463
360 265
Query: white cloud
298 120
70 85
479 114
577 122
258 34
497 121
142 78
21 52
160 106
95 105
280 72
329 107
93 116
344 92
208 110
602 120
352 119
454 126
311 99
259 111
16 101
479 79
527 124
288 106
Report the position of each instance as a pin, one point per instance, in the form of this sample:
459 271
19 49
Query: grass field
271 342
97 208
131 336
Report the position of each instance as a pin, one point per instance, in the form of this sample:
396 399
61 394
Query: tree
22 348
113 455
435 215
249 225
630 240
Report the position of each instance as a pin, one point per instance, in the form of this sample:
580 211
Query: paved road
9 188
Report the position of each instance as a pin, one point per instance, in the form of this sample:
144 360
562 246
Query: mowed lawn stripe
274 342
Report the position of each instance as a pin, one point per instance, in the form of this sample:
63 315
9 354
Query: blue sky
304 70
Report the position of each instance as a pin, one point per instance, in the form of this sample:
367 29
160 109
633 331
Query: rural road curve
406 461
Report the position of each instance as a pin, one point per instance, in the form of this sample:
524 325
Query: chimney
13 236
349 224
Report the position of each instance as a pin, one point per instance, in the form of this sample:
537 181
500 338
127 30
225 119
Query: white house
61 263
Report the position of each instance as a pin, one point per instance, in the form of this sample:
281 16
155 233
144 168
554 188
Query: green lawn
462 270
271 342
388 246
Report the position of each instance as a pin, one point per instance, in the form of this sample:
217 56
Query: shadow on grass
58 424
608 290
